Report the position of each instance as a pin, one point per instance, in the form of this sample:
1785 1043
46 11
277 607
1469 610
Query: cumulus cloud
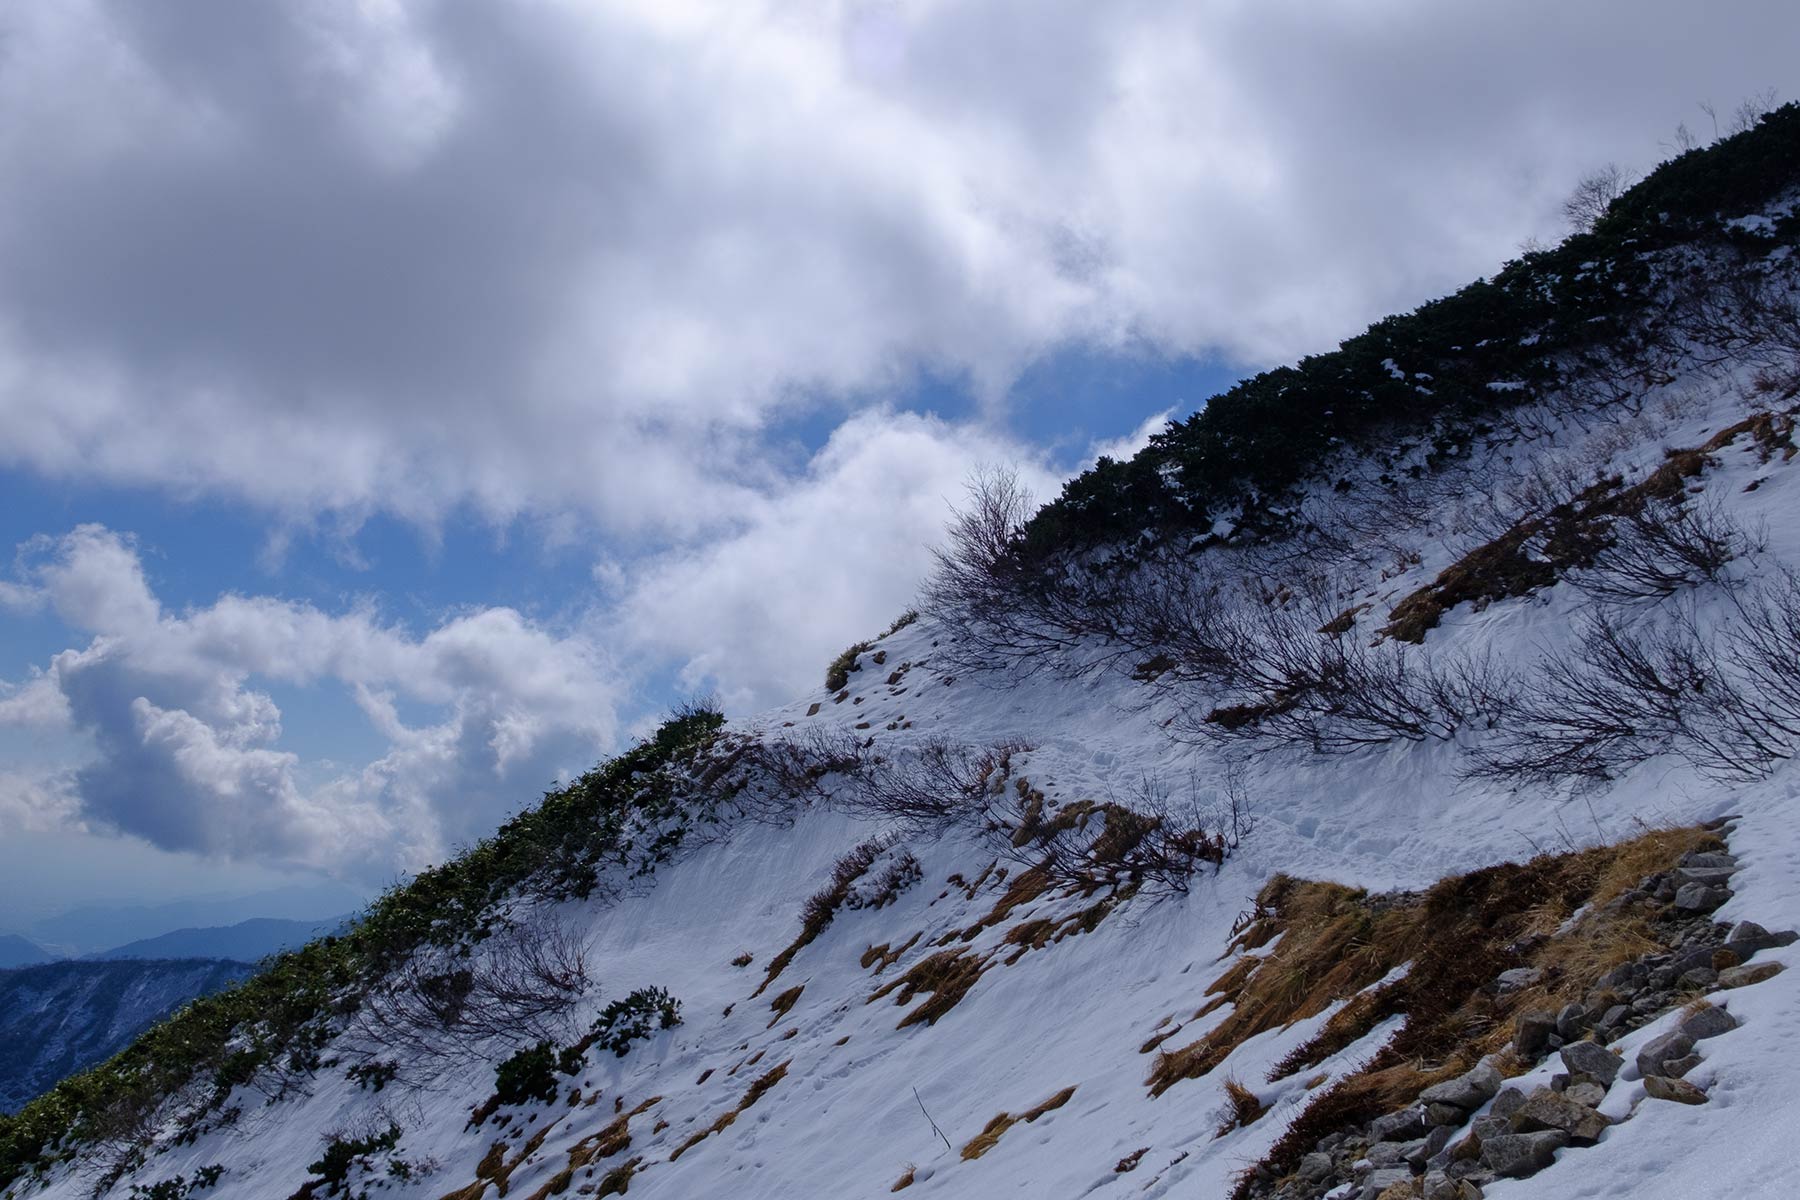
187 736
578 256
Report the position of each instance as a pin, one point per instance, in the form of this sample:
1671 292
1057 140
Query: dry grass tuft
905 1180
755 1092
946 976
1241 1108
990 1136
782 1003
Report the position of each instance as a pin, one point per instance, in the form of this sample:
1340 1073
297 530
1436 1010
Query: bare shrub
445 1005
1593 195
1664 547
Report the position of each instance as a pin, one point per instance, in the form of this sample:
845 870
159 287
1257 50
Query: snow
845 1122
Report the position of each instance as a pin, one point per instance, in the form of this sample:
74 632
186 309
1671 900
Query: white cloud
187 751
566 256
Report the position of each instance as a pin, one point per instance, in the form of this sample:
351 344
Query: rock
1392 1154
1470 1090
1439 1186
1488 1126
1697 980
1593 1060
1314 1167
1700 897
1380 1181
1614 1017
1660 1050
1405 1125
1547 1110
1661 1087
1516 1155
1709 876
1531 1036
1518 977
1586 1093
1675 1068
1507 1102
1749 973
1709 1021
1724 957
1747 937
1624 978
1445 1116
1571 1022
1708 858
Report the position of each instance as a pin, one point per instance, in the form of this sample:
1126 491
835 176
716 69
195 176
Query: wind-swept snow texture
1027 1075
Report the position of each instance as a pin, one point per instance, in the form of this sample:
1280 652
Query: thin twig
934 1125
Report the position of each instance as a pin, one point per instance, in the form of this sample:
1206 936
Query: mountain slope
1270 854
16 951
246 941
59 1018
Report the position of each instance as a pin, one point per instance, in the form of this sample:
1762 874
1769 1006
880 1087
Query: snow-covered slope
956 1011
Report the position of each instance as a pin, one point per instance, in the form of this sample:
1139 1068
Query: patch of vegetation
373 1075
282 1017
341 1154
1542 317
531 1073
630 1020
990 1136
837 675
179 1187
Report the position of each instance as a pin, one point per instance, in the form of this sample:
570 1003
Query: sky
402 403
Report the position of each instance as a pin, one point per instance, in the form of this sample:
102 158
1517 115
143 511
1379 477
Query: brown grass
618 1180
782 1003
882 957
1458 936
945 976
990 1136
1241 1108
755 1092
905 1180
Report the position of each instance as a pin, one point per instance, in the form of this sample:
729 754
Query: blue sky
404 402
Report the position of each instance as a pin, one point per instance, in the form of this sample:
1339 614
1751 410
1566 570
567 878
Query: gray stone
1507 1102
1402 1126
1710 876
1700 897
1614 1017
1443 1116
1675 1068
1381 1181
1661 1087
1708 858
1439 1186
1516 1155
1571 1022
1488 1126
1593 1060
1587 1093
1392 1154
1749 973
1544 1109
1470 1090
1660 1050
1697 980
1531 1036
1314 1167
1747 938
1706 1022
1518 977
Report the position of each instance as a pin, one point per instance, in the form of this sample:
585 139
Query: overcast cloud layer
576 263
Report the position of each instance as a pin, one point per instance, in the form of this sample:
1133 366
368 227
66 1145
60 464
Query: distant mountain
16 951
247 941
95 928
58 1018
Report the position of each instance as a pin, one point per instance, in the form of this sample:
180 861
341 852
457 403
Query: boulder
1518 977
1439 1186
1467 1091
1710 876
1572 1022
1314 1167
1708 858
1709 1021
1545 1109
1532 1034
1675 1068
1749 973
1587 1093
1507 1102
1402 1126
1661 1087
1516 1155
1700 897
1747 937
1379 1182
1593 1060
1658 1051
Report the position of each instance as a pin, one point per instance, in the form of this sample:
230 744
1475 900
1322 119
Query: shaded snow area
1027 1074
